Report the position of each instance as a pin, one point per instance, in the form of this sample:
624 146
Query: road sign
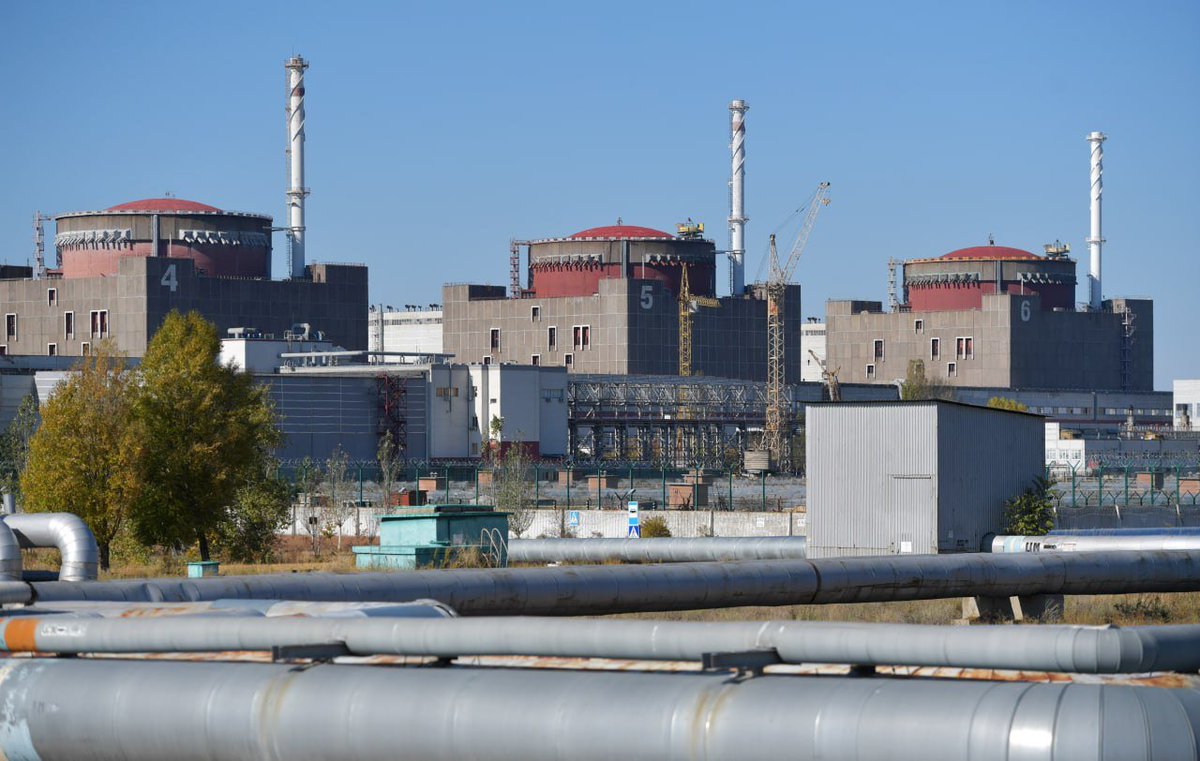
573 518
635 524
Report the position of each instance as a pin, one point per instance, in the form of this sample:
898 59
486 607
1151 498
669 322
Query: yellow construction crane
829 378
777 281
688 304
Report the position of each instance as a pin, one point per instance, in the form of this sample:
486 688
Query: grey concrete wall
1015 344
143 292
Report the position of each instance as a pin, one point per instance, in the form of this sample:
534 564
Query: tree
308 482
1030 513
206 431
14 445
1003 403
918 386
655 527
512 490
336 483
80 460
260 509
388 456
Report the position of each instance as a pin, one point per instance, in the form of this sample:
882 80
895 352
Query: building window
568 359
535 314
85 349
935 348
951 369
964 347
99 319
69 325
918 326
10 326
878 348
3 351
51 350
551 338
581 337
870 372
447 391
487 360
52 297
495 340
535 360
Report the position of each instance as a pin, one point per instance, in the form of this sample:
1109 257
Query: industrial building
416 329
999 316
914 477
1186 403
120 270
606 300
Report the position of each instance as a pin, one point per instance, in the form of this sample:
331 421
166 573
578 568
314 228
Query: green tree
1004 403
512 491
206 432
80 460
1030 513
655 527
389 458
260 509
14 445
918 386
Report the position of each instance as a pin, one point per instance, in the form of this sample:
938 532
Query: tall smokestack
737 208
1096 239
296 191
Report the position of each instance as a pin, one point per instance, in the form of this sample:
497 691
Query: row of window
951 370
581 338
536 359
964 348
85 349
98 320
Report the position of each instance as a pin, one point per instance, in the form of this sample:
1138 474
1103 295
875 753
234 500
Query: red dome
165 205
990 253
622 231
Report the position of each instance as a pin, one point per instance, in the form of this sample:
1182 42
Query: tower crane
688 304
829 378
779 276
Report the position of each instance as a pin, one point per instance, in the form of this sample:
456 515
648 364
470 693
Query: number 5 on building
647 300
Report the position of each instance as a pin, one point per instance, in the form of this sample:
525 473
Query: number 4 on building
169 280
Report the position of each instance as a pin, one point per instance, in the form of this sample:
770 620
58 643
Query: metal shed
889 478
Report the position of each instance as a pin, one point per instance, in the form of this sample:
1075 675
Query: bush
1031 513
655 527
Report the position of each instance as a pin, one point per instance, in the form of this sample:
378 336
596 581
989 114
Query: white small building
413 330
890 478
1187 405
812 341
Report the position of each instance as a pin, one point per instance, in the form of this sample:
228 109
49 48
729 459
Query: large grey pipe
422 631
10 555
1093 543
598 590
657 550
217 711
67 532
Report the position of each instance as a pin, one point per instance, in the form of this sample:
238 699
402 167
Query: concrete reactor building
122 269
994 316
607 300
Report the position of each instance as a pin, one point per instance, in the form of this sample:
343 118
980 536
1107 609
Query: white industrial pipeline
102 709
65 531
658 549
1093 542
598 590
427 631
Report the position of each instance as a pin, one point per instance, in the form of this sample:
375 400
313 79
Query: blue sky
438 131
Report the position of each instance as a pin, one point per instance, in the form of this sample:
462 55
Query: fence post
664 487
537 485
1074 471
447 484
763 506
731 488
601 474
360 484
476 484
1178 473
631 479
569 487
1127 485
1100 476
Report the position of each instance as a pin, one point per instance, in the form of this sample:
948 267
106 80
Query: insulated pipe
1094 543
1096 238
1164 531
657 550
1072 649
67 532
600 590
737 203
10 555
217 711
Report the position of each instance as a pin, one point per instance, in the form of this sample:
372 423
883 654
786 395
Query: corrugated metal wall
871 479
319 413
985 457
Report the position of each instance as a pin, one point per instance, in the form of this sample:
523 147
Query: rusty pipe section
67 532
657 549
212 711
10 555
599 590
425 632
